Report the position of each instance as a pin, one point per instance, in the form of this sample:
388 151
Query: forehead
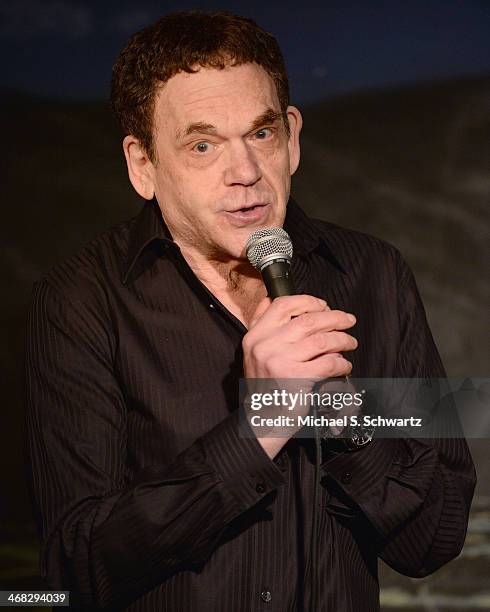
221 97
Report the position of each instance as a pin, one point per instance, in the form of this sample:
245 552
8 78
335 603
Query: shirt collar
149 237
308 235
147 230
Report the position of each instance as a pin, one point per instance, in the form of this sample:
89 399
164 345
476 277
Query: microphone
270 251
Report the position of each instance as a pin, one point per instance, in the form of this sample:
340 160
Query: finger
326 366
315 322
286 307
322 343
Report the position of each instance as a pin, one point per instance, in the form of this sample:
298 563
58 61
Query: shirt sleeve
103 537
411 497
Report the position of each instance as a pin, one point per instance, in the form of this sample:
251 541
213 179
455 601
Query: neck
235 283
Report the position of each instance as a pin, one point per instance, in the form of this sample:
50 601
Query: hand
296 337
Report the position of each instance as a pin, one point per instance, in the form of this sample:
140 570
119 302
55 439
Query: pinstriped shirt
146 496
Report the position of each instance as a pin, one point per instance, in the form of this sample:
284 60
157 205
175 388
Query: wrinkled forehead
226 98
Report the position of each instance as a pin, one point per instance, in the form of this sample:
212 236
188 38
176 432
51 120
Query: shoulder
356 251
86 276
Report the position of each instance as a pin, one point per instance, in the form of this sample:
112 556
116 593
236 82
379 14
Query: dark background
396 102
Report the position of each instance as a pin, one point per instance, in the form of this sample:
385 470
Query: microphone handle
277 279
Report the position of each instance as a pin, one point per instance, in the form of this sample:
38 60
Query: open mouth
247 209
252 213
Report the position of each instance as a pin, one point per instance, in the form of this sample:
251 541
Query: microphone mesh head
267 244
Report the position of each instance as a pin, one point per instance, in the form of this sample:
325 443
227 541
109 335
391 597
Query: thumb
261 308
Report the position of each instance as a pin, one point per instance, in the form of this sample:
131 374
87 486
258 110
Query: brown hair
177 42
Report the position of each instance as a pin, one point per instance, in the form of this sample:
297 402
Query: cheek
174 185
277 165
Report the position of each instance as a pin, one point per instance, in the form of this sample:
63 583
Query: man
147 496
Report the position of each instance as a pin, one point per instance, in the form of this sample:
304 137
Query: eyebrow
197 128
268 116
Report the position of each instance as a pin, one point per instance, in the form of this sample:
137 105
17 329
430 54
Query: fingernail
352 318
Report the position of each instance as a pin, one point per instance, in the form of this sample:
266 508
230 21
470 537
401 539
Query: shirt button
266 596
211 306
260 487
281 461
346 478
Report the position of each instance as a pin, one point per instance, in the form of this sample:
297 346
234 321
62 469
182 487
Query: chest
179 361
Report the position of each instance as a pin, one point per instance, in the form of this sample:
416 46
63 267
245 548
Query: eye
263 133
202 147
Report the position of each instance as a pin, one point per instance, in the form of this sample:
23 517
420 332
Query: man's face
224 158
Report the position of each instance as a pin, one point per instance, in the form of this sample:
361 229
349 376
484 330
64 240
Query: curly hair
181 41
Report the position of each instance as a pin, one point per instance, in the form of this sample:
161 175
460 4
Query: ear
295 124
140 169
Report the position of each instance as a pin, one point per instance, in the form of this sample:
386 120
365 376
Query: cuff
388 480
242 464
359 471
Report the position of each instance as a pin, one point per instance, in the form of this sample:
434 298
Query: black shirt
146 496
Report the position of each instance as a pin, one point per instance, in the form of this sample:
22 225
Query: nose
242 167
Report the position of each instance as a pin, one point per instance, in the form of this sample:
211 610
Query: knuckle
339 316
305 320
258 351
321 340
283 303
335 338
346 342
317 302
247 342
311 300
